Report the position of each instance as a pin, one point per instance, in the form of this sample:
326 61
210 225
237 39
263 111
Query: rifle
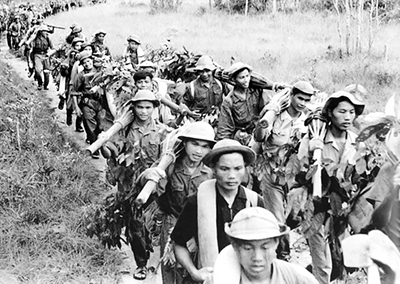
55 27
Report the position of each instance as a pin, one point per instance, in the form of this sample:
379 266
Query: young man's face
196 149
205 75
242 79
144 84
256 257
88 49
299 101
143 110
100 38
78 45
87 63
343 116
133 45
230 171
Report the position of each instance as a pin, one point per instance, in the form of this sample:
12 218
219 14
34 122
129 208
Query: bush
238 6
164 5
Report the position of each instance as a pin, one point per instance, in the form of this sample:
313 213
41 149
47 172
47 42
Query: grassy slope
286 47
46 186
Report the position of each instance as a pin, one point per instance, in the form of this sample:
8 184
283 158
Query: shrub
164 5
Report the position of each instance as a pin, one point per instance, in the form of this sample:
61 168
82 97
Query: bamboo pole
119 124
150 185
246 8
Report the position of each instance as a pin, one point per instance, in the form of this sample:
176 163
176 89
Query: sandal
140 273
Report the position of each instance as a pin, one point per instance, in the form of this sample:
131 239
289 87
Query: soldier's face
133 45
242 79
205 75
100 38
342 116
144 84
87 64
196 150
78 45
298 102
143 110
88 49
256 257
230 171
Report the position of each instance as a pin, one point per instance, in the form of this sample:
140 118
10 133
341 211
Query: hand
316 143
183 109
94 89
154 174
202 274
279 86
109 149
78 112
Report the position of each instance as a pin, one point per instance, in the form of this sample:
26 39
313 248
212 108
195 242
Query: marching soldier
41 46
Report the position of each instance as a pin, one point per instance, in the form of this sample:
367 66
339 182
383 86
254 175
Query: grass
46 188
285 47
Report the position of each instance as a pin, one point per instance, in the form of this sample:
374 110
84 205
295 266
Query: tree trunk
273 6
338 21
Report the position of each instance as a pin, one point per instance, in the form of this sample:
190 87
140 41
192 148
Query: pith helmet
145 95
358 105
76 29
134 38
255 223
100 32
204 62
147 64
303 87
238 66
83 55
198 130
226 146
356 89
77 39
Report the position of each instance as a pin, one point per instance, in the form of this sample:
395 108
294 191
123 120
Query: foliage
238 6
157 6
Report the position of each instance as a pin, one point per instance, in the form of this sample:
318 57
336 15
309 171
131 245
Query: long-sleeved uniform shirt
239 112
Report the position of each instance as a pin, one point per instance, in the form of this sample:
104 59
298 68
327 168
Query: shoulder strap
219 84
252 198
191 86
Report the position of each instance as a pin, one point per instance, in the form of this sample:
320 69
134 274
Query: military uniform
40 46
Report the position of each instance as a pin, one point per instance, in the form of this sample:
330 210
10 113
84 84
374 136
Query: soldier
14 33
182 178
140 141
254 234
133 53
145 81
90 101
41 47
76 31
281 139
216 202
338 147
205 94
98 44
241 108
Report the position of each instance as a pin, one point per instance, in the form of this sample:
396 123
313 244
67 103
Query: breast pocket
201 98
153 150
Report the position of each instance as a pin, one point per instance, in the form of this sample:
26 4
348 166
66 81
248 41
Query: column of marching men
237 132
